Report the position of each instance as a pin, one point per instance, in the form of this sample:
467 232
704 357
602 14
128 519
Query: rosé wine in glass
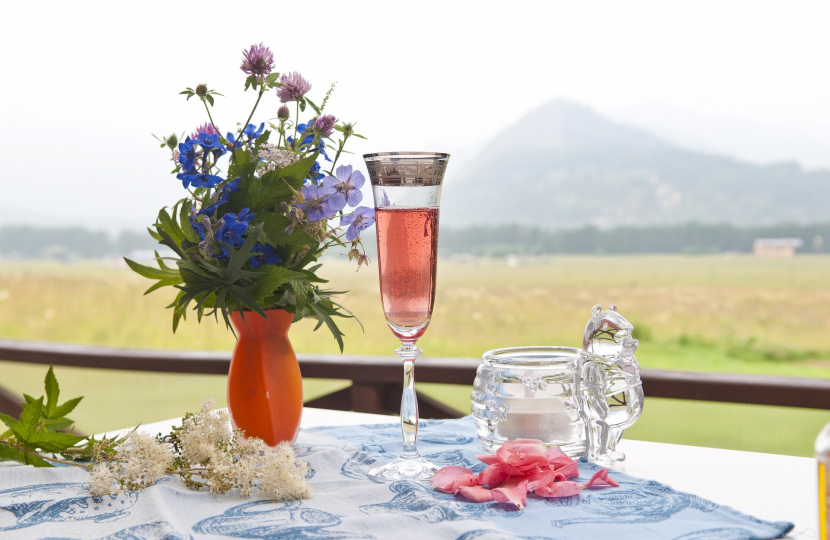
407 191
407 248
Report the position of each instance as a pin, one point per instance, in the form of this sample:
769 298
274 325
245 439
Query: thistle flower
324 125
294 87
283 113
257 61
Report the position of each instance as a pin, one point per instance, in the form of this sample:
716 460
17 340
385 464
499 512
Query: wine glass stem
409 400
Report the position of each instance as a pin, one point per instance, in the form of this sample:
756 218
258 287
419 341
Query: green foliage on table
39 427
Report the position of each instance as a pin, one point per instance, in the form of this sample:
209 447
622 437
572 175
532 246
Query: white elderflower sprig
276 158
205 453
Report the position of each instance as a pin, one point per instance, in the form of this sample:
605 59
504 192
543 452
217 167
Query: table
768 486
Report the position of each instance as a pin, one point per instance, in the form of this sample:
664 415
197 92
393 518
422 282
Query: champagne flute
407 191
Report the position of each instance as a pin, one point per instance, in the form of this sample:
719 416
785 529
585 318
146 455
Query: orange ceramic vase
265 389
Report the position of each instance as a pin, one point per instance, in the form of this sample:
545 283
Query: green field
706 313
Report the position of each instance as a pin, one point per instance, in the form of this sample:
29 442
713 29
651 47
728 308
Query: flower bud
283 113
201 90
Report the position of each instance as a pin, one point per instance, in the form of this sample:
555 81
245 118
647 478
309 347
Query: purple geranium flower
324 125
258 61
345 188
265 256
315 207
363 218
294 87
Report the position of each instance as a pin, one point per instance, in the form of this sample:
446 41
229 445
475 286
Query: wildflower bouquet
260 206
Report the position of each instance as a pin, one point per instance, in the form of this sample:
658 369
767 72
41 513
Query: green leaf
37 461
209 99
8 420
275 277
313 106
68 407
360 136
274 230
52 392
7 453
58 424
152 273
29 420
276 186
51 441
302 104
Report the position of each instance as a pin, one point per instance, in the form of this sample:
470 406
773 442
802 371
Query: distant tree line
27 242
690 238
490 241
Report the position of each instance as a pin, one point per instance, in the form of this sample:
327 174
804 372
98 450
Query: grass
704 313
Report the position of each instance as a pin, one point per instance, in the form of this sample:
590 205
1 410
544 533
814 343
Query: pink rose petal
476 493
560 489
443 479
516 495
555 452
493 476
487 459
465 480
600 479
523 446
570 470
542 478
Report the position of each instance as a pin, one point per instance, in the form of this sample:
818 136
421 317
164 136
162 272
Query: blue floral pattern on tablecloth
54 503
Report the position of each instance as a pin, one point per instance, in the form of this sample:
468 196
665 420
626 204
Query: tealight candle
546 419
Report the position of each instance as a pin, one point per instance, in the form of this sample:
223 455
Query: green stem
296 122
239 136
41 456
212 123
337 155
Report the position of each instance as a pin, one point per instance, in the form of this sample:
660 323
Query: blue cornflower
208 141
315 208
232 229
188 154
314 173
198 180
363 218
250 131
224 194
266 256
346 187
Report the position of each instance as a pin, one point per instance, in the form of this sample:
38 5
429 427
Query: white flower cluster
141 461
275 158
207 454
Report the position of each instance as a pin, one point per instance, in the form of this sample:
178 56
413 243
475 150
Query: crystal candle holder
581 400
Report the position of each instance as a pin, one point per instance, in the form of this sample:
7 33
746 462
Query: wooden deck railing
376 380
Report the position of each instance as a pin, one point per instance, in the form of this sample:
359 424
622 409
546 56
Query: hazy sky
85 83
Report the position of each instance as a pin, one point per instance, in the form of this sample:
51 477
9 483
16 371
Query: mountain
563 165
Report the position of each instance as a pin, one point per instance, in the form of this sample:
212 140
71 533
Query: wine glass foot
403 468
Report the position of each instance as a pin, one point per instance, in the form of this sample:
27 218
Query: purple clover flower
315 207
294 87
206 128
363 218
257 61
324 125
345 188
